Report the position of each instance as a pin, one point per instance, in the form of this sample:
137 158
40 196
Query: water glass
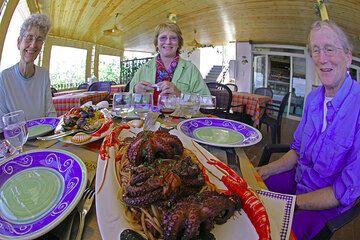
189 104
122 105
143 104
208 104
15 129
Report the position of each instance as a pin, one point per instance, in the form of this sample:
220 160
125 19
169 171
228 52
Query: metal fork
83 208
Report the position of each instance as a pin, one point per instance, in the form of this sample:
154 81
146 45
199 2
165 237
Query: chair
223 98
233 87
275 123
332 225
127 87
100 86
83 86
53 91
266 91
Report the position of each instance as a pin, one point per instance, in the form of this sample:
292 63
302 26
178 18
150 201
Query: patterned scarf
163 74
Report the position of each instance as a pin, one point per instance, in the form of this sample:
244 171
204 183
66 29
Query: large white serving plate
38 189
110 212
220 132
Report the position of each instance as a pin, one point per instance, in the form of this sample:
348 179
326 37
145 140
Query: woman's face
167 44
30 44
331 62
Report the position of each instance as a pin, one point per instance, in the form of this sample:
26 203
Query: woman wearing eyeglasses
322 168
26 86
170 73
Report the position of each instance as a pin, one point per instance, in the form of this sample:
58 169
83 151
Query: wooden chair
266 91
100 86
332 225
83 86
53 91
223 96
275 123
233 87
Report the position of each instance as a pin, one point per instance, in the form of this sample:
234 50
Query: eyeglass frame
29 38
165 38
328 50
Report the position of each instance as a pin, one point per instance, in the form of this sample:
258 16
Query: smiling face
331 60
30 44
167 44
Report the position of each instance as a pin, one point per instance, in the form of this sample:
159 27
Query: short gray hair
40 21
344 40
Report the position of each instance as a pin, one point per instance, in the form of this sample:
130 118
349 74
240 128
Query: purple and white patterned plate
41 126
38 189
220 132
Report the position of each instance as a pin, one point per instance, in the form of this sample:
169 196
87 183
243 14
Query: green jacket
187 77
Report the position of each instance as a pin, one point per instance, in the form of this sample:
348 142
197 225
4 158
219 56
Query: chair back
83 86
100 86
266 91
233 87
53 91
223 96
282 107
127 87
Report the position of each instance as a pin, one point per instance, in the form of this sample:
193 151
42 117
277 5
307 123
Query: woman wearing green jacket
170 73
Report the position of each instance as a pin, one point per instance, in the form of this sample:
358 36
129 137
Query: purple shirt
332 157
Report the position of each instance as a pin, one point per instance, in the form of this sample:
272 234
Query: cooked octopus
147 146
165 179
196 215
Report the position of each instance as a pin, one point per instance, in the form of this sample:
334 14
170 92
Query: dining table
69 92
89 153
64 103
254 104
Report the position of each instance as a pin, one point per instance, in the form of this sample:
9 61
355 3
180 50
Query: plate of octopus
157 185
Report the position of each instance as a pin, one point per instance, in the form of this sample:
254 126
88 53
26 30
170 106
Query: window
109 68
10 54
67 67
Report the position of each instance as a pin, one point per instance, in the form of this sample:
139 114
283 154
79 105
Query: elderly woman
26 86
167 70
322 167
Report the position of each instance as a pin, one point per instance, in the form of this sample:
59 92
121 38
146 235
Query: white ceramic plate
220 132
38 189
110 216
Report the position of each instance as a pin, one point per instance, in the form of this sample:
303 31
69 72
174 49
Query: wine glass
208 104
15 129
143 103
122 105
167 105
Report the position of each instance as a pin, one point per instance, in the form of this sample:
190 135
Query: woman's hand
167 88
142 87
264 171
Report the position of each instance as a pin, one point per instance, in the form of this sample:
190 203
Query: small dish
220 132
41 126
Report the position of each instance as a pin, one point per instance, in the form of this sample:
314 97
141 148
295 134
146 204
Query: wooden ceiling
217 22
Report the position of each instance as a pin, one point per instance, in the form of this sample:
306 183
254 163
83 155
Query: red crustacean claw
112 140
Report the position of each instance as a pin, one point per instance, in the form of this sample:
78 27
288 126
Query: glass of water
143 103
15 129
189 104
122 105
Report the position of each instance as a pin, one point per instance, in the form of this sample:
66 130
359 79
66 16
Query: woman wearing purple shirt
322 167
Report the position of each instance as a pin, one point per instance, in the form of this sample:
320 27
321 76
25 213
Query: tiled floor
352 230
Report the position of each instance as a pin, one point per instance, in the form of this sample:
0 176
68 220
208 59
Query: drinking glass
15 129
167 105
189 104
122 105
143 103
208 104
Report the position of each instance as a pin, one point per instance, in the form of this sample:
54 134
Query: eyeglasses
327 50
171 38
30 38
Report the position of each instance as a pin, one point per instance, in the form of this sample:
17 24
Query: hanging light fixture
114 31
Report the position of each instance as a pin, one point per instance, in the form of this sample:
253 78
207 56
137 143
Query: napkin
101 105
280 208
